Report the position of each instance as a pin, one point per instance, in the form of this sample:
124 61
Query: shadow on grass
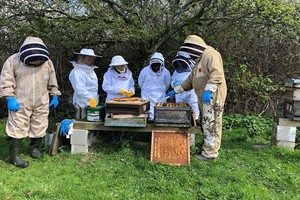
138 143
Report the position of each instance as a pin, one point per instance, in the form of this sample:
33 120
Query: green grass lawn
124 171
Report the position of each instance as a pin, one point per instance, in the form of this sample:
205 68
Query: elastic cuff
211 87
178 89
9 97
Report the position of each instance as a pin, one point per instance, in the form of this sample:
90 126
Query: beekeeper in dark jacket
27 79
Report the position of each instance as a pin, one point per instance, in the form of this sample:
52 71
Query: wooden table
85 125
149 127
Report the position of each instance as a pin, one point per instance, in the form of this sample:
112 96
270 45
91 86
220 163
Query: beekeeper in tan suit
208 81
27 78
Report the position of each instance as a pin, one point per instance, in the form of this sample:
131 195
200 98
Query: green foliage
258 36
258 85
250 91
254 125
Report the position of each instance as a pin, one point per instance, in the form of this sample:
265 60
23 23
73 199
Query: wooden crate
170 147
173 116
133 108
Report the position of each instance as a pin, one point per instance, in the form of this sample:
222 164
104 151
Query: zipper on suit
33 85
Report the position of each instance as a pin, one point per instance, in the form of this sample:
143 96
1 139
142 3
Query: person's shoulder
13 57
78 71
108 73
166 71
210 50
144 69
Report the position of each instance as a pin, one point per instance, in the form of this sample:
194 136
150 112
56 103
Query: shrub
255 125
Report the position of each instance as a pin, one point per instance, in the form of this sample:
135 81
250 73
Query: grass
124 171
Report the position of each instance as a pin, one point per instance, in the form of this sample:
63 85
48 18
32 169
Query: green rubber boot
35 144
14 151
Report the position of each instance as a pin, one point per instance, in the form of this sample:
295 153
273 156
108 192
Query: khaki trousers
28 122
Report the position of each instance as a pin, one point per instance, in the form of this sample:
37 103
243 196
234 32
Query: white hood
158 58
112 72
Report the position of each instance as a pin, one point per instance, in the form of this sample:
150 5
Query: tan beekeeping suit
31 87
208 74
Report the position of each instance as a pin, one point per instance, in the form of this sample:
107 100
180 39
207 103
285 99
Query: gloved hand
206 97
65 126
54 102
12 104
171 93
129 93
176 83
123 92
92 102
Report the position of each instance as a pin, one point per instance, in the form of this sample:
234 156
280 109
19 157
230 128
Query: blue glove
12 104
176 83
65 126
206 97
54 102
171 93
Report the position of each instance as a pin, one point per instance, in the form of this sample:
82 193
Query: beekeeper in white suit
84 80
183 65
118 81
154 80
27 79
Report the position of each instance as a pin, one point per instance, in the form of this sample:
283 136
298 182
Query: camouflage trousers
212 128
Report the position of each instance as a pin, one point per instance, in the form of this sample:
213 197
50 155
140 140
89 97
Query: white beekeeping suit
84 81
115 80
183 65
154 80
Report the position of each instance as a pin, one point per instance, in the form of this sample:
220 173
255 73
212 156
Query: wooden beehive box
172 114
292 109
133 106
292 94
170 147
292 99
292 83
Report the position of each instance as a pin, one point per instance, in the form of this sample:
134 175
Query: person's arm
141 79
7 79
131 86
213 62
188 83
52 83
108 86
77 80
167 80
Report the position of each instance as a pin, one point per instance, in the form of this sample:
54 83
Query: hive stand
284 132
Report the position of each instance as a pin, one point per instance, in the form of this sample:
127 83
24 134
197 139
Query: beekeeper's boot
35 144
14 151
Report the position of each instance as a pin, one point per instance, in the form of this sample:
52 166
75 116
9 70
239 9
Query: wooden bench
86 129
